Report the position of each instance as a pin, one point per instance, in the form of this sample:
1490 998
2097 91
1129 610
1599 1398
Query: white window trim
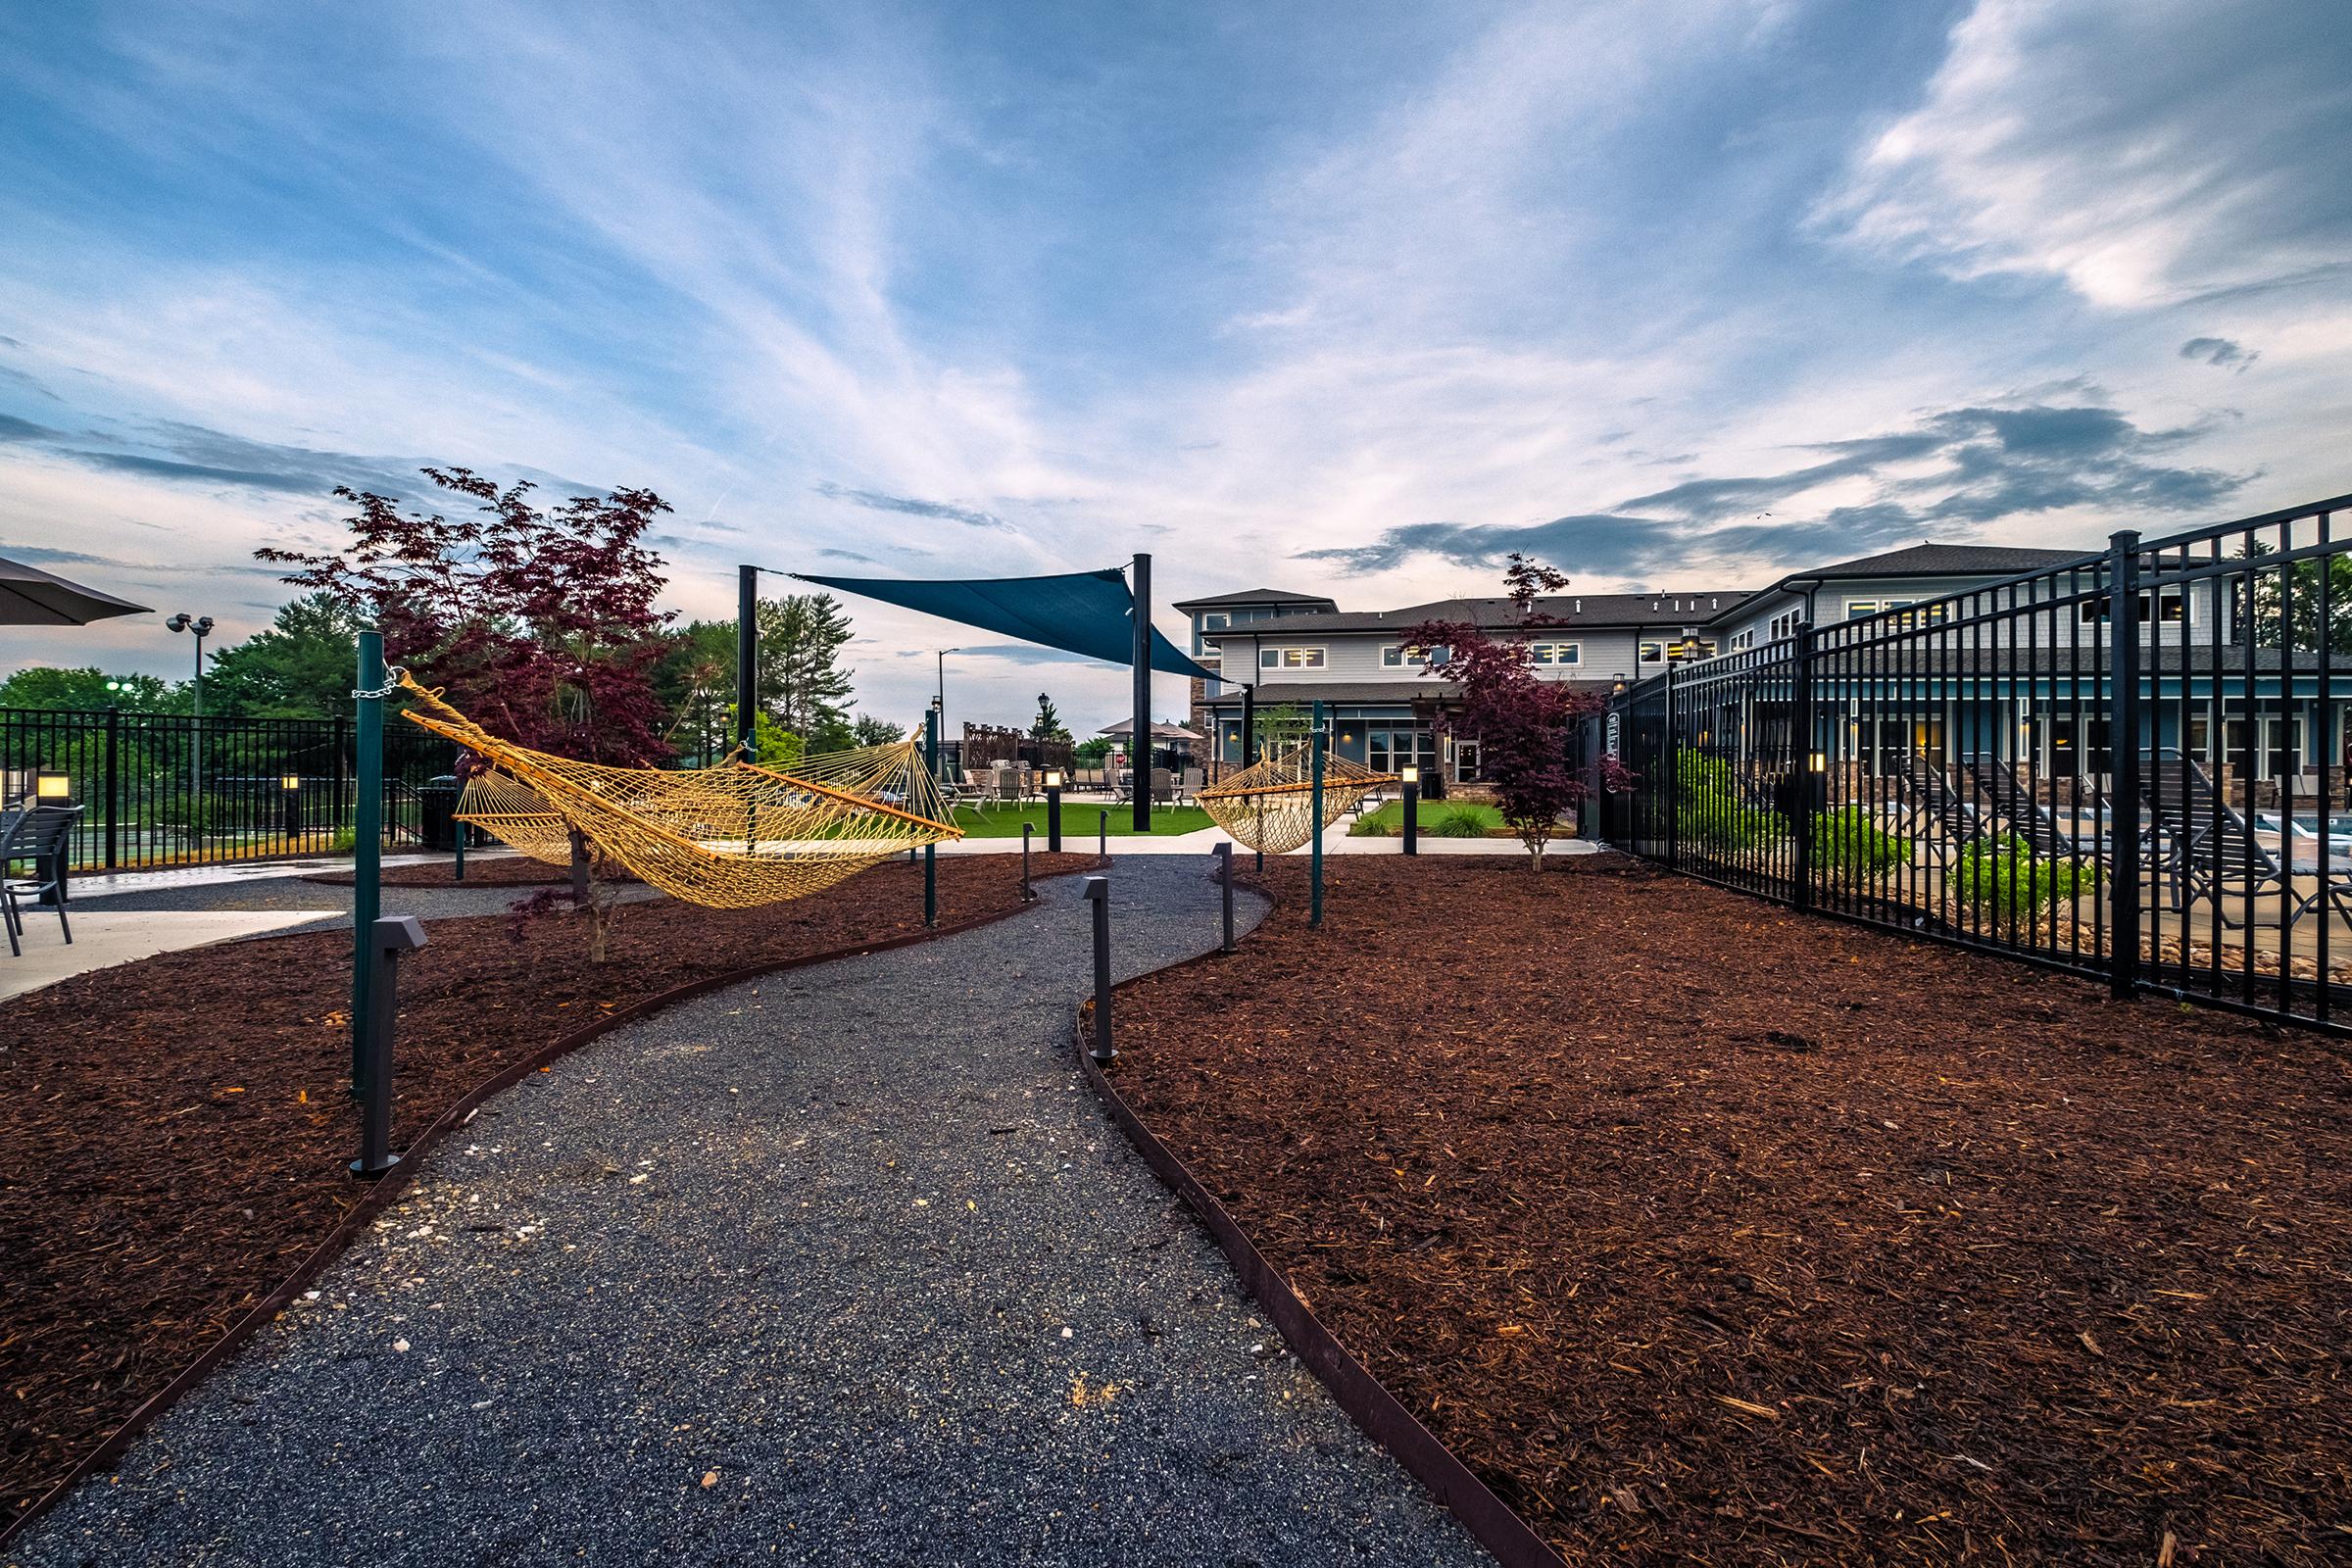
1317 658
1574 653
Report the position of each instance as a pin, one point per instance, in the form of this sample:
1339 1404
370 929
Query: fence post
1800 784
1097 897
1224 853
2123 745
1674 775
387 939
113 786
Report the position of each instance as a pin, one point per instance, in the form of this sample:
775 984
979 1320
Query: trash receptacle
437 804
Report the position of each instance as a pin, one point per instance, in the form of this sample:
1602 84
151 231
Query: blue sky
1350 297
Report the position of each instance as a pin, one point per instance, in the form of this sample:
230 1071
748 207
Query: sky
1351 299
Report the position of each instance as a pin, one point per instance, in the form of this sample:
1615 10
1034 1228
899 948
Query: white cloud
2142 150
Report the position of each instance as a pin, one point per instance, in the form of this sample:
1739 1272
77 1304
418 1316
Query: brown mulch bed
173 1132
1707 1232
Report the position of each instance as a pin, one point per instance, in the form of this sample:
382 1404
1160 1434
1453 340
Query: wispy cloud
909 506
1955 472
2218 351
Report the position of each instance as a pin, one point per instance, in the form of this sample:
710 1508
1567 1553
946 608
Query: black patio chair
2014 804
2200 846
39 835
1930 802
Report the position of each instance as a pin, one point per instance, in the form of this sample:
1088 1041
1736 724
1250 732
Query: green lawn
1077 822
1389 819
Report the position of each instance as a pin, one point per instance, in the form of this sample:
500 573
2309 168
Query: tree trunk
579 868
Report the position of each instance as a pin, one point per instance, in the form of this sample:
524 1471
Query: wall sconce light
1346 737
53 786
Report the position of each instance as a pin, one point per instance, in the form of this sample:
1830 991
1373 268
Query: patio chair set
1169 787
2194 842
37 836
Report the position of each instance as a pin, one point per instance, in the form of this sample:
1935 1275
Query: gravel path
846 1266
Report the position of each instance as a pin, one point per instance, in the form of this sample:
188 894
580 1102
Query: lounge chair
1930 802
2200 846
2014 804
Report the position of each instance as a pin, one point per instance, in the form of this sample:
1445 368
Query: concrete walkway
103 938
846 1266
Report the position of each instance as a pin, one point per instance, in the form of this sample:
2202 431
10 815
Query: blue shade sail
1087 612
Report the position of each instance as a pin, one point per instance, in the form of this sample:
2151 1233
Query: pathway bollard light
1413 807
1097 897
1053 811
387 939
1103 833
1224 854
289 789
1027 897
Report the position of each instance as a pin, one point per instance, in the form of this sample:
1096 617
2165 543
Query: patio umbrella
31 596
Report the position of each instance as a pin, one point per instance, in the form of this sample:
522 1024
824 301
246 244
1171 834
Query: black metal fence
2131 765
168 789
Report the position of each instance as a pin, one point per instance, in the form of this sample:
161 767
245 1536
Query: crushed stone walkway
843 1267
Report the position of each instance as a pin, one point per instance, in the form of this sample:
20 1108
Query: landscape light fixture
1409 774
53 786
1053 779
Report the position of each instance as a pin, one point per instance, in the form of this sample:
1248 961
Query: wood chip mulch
1707 1232
173 1132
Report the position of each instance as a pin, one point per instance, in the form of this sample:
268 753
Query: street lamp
201 626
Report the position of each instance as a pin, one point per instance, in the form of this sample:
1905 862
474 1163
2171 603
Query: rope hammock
1269 806
729 836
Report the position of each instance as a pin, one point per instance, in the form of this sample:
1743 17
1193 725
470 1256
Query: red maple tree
540 623
1524 724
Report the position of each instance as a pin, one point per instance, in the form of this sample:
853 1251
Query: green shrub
2009 875
1710 812
1382 823
1848 844
1459 822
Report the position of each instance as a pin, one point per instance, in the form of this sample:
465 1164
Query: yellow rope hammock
730 836
1269 806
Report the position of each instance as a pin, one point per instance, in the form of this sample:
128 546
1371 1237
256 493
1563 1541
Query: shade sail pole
1141 751
747 654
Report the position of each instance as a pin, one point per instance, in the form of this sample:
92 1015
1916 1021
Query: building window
2171 606
1216 621
1677 652
1555 653
1290 659
1785 624
1388 750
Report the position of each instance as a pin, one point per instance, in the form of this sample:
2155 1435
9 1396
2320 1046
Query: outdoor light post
1027 828
1224 854
385 940
201 626
1097 897
1053 811
289 789
1411 776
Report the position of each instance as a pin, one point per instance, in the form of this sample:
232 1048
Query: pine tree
801 638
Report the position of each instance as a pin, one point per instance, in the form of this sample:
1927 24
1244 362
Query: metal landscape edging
1379 1414
387 1188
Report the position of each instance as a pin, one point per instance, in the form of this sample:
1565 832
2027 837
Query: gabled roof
1565 611
1253 596
1932 560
